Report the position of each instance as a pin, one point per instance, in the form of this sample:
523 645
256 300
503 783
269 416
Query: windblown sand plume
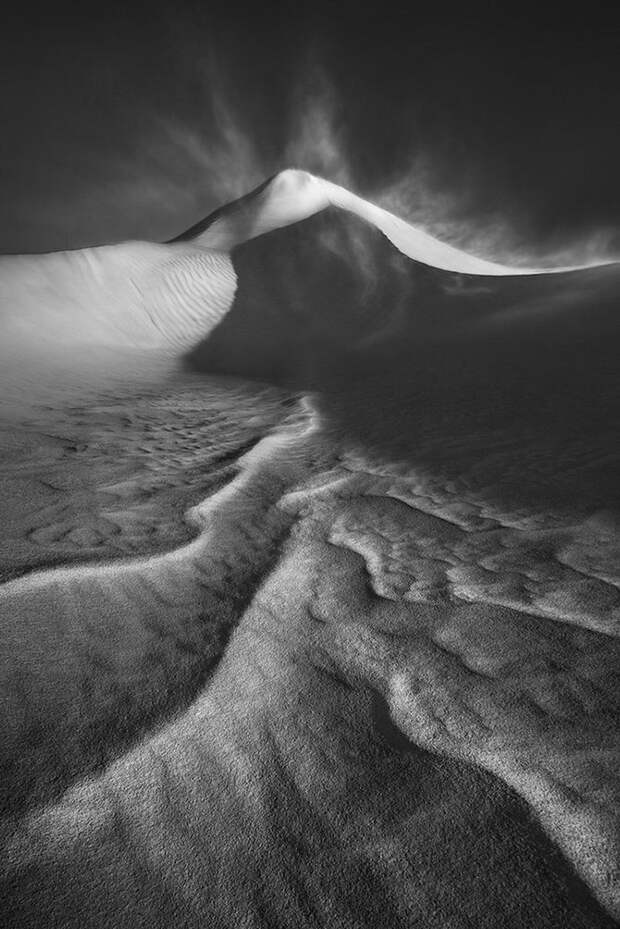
310 613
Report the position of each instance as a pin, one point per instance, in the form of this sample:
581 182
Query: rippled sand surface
337 652
361 693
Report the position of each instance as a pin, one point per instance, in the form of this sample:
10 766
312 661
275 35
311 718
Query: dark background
496 130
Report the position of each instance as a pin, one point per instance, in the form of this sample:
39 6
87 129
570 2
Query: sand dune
292 196
143 295
360 667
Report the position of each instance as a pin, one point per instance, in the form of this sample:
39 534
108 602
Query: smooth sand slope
360 672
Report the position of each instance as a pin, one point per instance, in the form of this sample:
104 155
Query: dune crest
294 195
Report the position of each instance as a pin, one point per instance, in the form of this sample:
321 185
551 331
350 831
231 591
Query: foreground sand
358 698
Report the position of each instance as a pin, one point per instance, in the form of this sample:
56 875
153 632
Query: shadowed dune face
306 292
403 354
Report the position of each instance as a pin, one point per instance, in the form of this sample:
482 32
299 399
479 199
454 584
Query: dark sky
500 133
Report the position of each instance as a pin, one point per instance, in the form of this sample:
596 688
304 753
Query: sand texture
318 624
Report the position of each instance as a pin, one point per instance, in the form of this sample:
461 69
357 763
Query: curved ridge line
294 195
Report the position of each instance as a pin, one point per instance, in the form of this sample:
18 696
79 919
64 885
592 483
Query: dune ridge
293 196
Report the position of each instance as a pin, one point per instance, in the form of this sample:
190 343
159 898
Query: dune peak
293 195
